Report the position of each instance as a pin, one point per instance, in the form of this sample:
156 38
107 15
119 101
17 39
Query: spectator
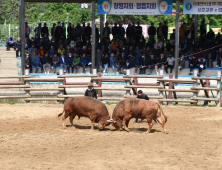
203 40
161 63
27 62
151 64
99 57
84 63
69 30
70 63
64 29
183 46
219 57
160 32
106 63
76 62
201 64
53 30
18 47
41 51
121 31
27 30
203 28
152 31
210 35
46 63
51 53
190 34
169 64
37 31
44 30
88 31
150 44
61 50
58 31
131 61
63 62
106 31
78 31
139 32
158 44
189 44
55 62
182 31
129 31
165 30
190 54
10 42
47 44
88 54
115 30
114 45
91 92
79 44
200 53
37 63
113 63
143 64
181 63
193 64
122 61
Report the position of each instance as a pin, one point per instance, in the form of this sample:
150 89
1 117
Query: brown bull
130 108
94 109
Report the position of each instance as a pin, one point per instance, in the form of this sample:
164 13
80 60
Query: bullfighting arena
32 137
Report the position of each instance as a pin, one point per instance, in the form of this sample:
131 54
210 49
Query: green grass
110 103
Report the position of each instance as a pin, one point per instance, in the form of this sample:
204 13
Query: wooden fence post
207 84
195 85
170 87
99 84
128 82
27 92
219 86
161 83
135 81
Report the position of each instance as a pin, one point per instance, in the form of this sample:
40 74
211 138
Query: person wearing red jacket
41 51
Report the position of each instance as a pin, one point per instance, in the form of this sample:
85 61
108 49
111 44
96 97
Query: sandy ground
31 137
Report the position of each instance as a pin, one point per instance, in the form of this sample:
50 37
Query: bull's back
84 106
134 107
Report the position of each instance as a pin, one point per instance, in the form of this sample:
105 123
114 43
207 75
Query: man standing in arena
91 92
145 97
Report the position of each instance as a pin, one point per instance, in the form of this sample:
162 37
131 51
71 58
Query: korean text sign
131 7
202 7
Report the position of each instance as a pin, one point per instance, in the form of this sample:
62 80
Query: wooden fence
132 83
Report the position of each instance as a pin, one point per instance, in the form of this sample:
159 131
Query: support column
22 33
177 38
93 36
196 27
170 94
219 86
101 25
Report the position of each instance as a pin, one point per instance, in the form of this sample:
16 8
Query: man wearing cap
141 95
10 42
91 92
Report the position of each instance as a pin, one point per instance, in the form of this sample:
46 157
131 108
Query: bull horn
110 120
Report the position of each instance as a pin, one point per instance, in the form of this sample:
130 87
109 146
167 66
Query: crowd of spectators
128 48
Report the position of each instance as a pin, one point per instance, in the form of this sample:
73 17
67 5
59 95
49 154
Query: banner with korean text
132 7
202 7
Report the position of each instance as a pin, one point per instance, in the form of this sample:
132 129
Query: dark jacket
105 60
144 61
44 30
144 96
45 60
194 62
182 62
27 62
115 31
18 45
122 61
91 93
152 31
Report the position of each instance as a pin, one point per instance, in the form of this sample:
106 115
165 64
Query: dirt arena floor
31 137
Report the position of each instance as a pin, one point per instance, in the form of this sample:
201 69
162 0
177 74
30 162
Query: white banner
202 7
140 7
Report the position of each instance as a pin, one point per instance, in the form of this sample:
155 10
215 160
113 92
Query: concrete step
8 72
10 67
5 55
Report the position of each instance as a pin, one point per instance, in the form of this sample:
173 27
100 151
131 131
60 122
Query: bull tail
61 113
160 107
